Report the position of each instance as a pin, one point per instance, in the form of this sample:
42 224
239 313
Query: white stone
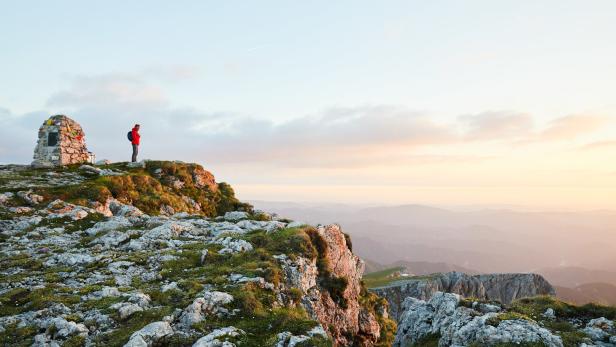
138 164
296 224
210 303
213 339
70 259
150 334
231 245
549 313
128 309
235 215
113 223
169 286
66 328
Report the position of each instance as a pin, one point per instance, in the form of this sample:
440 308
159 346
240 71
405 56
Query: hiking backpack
130 136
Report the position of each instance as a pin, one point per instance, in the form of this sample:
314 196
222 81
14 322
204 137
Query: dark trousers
135 152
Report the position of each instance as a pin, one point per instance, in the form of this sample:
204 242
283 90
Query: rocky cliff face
334 300
448 320
82 263
443 318
500 287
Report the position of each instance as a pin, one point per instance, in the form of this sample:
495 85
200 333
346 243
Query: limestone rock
231 245
210 303
149 334
462 326
235 215
217 338
501 287
339 321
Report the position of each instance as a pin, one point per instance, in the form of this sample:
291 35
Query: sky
390 102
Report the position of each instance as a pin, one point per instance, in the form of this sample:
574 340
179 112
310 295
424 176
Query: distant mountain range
571 276
572 250
487 240
600 293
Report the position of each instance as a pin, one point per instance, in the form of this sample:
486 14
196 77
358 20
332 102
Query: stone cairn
61 141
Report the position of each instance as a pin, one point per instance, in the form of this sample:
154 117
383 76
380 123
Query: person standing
135 137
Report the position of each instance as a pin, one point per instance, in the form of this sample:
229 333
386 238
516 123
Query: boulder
149 334
462 326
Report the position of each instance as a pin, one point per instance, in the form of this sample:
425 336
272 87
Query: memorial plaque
52 139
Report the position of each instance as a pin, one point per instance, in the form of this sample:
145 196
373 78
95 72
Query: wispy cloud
599 145
343 137
570 127
499 125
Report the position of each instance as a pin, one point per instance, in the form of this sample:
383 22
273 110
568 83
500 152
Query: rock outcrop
500 287
81 265
444 319
339 312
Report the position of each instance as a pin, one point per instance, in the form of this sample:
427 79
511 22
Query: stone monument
61 141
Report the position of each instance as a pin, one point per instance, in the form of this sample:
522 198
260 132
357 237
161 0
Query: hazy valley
573 250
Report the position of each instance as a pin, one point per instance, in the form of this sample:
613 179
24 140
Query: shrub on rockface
333 284
378 307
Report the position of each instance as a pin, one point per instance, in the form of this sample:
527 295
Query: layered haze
401 103
479 135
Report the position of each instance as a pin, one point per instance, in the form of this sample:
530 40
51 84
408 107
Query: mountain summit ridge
158 253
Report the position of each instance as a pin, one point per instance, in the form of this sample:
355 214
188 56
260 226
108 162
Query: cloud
571 127
519 127
503 125
341 136
599 145
116 91
344 137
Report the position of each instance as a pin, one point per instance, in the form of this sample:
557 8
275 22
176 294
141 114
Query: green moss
262 327
536 306
376 305
295 294
101 304
21 300
316 342
430 340
73 317
260 216
138 320
495 321
74 341
22 260
14 336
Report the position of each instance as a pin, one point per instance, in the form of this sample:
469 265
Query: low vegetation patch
162 183
383 277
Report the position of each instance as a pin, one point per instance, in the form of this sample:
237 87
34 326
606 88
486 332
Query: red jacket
136 136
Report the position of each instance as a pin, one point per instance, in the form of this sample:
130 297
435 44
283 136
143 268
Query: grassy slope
388 277
141 187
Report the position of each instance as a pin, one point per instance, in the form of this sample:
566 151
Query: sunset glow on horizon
474 103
